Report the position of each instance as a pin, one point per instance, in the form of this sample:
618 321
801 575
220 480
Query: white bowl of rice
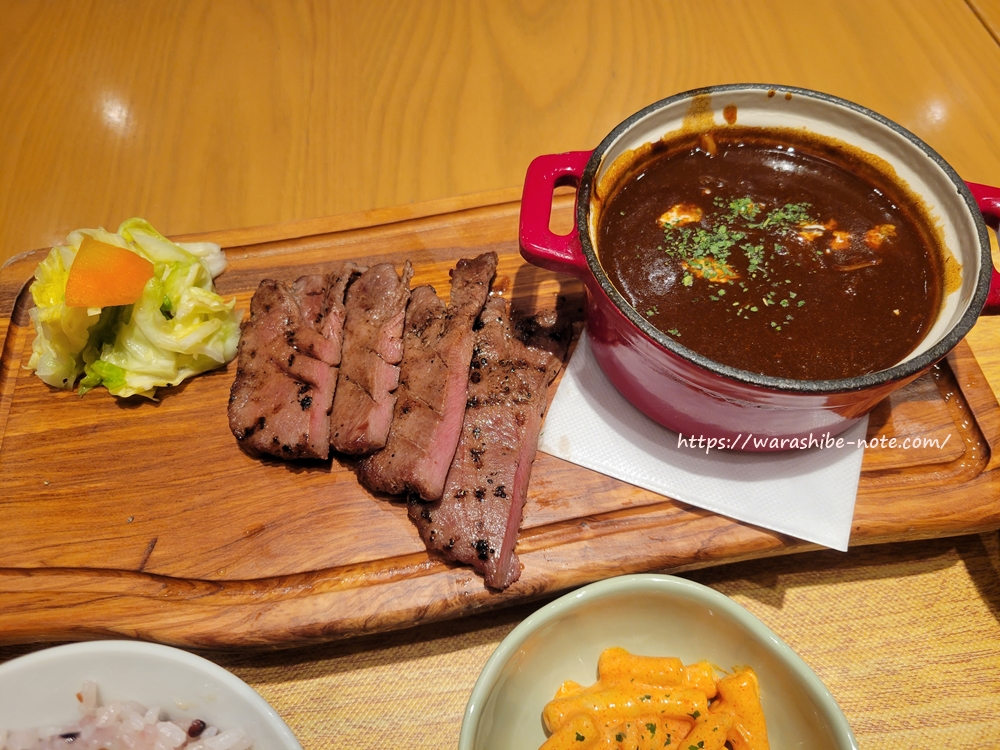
129 694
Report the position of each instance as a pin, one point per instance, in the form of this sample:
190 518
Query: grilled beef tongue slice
477 519
433 384
375 309
287 366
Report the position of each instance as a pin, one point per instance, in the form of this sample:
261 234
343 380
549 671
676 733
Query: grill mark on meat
374 312
434 378
470 523
287 366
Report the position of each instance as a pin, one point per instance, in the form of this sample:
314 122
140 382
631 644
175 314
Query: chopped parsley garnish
785 218
731 234
652 729
690 244
744 208
694 715
709 268
755 255
646 698
620 737
725 230
580 737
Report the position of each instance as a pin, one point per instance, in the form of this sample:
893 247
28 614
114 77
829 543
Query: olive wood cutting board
144 519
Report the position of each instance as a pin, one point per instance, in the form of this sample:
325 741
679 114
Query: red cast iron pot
694 395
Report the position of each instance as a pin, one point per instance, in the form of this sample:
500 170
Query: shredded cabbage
179 327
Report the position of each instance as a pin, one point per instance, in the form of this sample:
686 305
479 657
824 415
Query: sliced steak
477 519
286 370
375 309
433 384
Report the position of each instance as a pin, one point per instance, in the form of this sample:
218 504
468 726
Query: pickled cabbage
179 327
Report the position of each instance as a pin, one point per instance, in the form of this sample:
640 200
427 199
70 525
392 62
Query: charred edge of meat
529 328
247 432
482 549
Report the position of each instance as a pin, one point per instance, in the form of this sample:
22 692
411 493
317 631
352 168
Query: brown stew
773 254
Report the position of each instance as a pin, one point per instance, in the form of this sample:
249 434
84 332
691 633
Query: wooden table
219 115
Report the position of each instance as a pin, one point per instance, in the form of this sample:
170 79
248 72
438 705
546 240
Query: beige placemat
905 636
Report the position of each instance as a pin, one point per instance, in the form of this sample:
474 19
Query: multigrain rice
123 725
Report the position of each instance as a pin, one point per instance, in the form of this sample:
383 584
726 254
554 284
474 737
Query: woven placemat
905 636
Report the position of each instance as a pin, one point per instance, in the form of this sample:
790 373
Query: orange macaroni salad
645 702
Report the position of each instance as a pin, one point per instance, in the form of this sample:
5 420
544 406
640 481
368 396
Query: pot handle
988 199
539 246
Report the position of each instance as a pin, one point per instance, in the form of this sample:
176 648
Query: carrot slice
103 275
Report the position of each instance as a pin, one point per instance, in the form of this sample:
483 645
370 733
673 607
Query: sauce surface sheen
786 258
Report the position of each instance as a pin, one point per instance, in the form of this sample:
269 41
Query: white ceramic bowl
39 689
652 615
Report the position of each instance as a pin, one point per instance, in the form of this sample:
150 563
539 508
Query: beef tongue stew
772 252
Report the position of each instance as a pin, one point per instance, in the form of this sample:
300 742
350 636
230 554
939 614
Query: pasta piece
647 733
700 676
618 665
569 688
580 733
618 703
740 693
710 732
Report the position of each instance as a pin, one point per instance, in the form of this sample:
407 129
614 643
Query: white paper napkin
808 494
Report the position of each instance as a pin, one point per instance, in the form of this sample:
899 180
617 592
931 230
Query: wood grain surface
145 519
213 115
218 114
